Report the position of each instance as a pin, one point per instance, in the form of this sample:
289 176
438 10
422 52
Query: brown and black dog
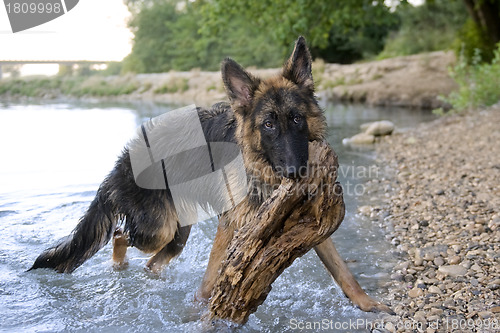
271 120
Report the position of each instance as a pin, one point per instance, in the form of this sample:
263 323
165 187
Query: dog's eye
297 119
268 124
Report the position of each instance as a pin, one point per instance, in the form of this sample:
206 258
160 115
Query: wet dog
272 121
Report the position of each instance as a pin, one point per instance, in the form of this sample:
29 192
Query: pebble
415 292
434 290
402 266
449 303
397 276
436 311
453 270
454 260
476 268
409 278
365 210
429 257
439 261
485 314
390 327
494 286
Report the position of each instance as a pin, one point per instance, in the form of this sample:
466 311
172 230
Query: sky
92 30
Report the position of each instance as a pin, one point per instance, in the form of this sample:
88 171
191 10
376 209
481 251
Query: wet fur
147 217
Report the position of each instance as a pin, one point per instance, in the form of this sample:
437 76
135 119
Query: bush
113 68
478 82
430 27
101 87
33 87
72 86
174 85
471 38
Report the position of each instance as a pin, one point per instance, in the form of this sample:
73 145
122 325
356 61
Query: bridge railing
44 62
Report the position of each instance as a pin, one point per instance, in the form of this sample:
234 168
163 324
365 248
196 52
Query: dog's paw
120 266
371 305
153 270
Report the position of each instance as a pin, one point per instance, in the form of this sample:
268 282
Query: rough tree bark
298 216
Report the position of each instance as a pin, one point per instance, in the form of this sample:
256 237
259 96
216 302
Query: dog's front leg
222 239
340 272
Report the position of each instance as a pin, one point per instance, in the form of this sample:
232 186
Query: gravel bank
441 207
412 81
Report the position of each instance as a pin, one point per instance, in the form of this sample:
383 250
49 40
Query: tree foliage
430 27
477 82
286 19
482 29
337 31
182 35
186 34
168 37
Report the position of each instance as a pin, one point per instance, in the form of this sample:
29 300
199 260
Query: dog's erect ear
240 85
298 67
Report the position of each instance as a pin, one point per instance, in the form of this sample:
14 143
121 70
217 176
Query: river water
53 158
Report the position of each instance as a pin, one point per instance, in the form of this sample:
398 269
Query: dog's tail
92 232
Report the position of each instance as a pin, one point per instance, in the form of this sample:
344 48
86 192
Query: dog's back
149 218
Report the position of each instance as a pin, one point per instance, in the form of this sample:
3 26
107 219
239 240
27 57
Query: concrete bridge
59 62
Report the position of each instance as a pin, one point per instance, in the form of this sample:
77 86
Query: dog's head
276 117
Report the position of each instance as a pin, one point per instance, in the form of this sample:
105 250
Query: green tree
347 44
430 27
327 25
167 36
182 35
481 31
486 15
14 71
151 51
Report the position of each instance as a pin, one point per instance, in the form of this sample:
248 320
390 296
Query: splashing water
54 157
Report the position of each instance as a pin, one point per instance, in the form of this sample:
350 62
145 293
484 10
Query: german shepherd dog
271 120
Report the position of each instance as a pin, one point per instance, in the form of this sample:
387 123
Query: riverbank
440 193
411 81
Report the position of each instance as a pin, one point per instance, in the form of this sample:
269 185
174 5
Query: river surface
53 158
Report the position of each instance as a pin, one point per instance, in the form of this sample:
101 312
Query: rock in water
360 139
378 128
453 270
363 127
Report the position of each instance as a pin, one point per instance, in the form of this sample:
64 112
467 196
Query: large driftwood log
298 216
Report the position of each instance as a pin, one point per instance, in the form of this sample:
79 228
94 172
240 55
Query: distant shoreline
412 81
